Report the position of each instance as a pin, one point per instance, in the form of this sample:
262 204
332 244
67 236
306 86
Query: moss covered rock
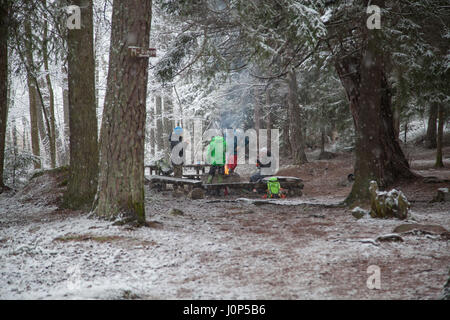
392 204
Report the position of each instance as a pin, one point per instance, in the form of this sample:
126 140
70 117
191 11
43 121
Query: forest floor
227 249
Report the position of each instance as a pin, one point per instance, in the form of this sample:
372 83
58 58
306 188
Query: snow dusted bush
18 166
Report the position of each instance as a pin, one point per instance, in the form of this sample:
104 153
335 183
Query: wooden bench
161 182
193 176
293 185
200 169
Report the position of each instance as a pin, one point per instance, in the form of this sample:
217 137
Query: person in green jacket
216 157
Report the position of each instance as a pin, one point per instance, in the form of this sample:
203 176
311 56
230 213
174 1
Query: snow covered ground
226 250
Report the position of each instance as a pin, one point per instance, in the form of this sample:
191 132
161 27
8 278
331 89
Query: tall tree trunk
65 95
159 124
4 24
15 151
322 139
430 137
378 155
121 180
35 146
440 136
297 140
32 95
287 150
97 57
24 135
257 115
269 120
43 119
82 183
52 131
40 120
151 130
167 122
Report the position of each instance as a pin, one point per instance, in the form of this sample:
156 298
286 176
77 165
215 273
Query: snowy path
215 251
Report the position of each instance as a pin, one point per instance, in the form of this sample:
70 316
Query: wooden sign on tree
142 52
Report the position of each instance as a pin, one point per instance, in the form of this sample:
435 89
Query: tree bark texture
65 95
151 130
4 5
159 124
269 120
51 99
43 120
296 138
32 95
430 137
121 181
167 122
83 173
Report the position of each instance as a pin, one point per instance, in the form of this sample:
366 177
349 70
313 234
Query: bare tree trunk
83 174
24 135
121 181
430 137
97 63
59 147
257 115
269 121
440 136
32 95
35 146
40 120
15 151
4 9
151 130
43 120
296 135
159 124
51 129
167 122
287 151
65 94
322 139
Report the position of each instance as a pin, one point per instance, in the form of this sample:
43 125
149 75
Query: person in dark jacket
258 175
